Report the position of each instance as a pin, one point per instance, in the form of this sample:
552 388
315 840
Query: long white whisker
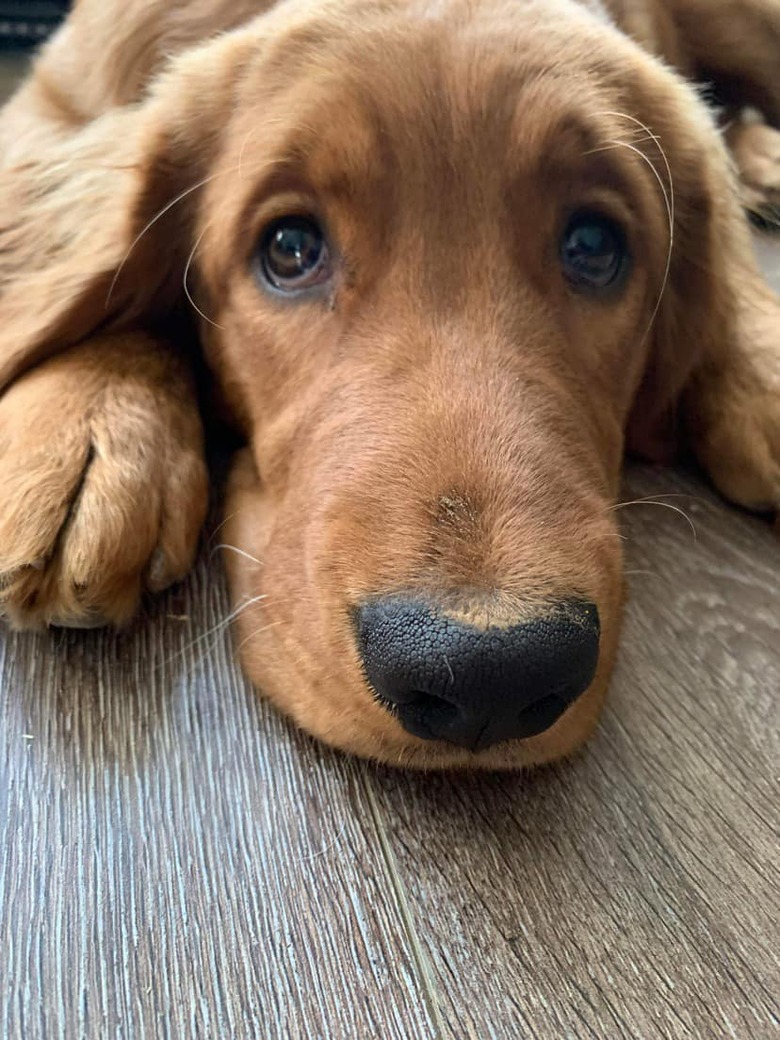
216 630
170 205
326 848
241 153
633 136
221 524
253 635
653 502
166 209
668 199
240 552
656 139
187 292
652 498
669 212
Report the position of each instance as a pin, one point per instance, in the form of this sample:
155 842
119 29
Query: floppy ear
96 223
711 267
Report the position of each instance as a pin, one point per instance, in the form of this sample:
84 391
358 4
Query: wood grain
177 861
174 859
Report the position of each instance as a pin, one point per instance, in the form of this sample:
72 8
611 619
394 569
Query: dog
446 262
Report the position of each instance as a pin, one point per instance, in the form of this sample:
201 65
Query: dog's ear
96 222
711 259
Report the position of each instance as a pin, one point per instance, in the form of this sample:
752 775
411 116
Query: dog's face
431 251
429 274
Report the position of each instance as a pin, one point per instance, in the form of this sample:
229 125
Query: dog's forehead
404 97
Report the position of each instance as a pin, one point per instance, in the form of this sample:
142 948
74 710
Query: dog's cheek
244 537
247 526
284 633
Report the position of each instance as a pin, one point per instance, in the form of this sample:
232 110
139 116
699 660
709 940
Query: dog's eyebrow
348 153
576 143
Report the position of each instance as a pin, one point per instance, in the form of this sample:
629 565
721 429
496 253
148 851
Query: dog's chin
335 705
338 708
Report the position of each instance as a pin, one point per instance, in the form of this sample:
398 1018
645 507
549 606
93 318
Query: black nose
448 680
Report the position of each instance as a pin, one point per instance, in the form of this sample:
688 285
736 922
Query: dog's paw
756 151
734 417
104 485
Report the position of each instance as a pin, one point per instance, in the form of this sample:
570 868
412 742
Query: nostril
425 715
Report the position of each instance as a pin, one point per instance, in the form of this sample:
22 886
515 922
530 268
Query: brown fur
450 419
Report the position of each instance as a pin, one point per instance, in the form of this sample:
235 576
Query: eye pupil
293 254
593 251
294 250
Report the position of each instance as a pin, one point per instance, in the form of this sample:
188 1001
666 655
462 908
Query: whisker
221 524
241 552
654 502
670 216
657 141
268 163
652 498
247 139
216 630
633 138
187 292
158 216
326 848
253 635
667 196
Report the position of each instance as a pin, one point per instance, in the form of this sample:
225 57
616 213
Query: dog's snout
446 679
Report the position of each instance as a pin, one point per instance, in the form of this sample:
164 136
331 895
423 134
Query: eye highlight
594 253
293 254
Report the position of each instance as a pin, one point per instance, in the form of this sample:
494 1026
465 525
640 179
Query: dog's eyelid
268 203
617 204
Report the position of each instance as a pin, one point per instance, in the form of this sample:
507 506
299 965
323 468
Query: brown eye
593 250
294 255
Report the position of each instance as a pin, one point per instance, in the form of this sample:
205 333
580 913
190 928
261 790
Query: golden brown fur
450 419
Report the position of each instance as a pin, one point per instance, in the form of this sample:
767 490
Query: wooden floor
177 861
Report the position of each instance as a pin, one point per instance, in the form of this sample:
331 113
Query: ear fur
89 239
711 256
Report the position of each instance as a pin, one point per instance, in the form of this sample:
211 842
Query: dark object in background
25 23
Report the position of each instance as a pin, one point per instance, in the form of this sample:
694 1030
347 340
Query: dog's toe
756 150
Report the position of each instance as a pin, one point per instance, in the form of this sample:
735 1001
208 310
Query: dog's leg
104 482
756 151
733 403
733 400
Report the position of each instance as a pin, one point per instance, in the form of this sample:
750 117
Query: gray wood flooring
177 861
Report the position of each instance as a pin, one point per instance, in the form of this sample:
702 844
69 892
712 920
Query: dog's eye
294 254
593 251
